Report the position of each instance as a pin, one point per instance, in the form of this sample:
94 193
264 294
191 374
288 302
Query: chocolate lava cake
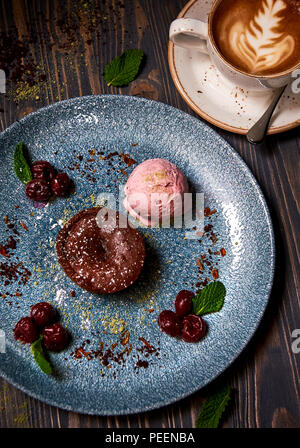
100 260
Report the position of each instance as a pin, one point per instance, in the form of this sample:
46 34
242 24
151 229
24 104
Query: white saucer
217 100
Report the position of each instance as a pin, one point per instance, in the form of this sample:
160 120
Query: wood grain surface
64 46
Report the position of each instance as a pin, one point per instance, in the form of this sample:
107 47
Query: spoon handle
258 131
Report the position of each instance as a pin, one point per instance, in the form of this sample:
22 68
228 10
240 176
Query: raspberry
43 170
60 184
55 337
26 331
169 323
43 313
38 190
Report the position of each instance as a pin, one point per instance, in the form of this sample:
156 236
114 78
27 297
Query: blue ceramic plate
119 362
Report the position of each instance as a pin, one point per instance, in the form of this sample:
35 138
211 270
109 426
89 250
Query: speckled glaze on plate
94 127
220 101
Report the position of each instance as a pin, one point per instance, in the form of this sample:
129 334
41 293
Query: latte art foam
262 45
259 37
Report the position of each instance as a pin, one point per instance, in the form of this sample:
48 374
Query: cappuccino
259 37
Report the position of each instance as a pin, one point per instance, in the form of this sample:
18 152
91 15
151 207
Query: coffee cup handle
189 33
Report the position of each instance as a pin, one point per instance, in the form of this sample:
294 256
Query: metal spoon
258 131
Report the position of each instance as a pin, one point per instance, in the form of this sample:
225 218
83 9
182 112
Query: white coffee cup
197 35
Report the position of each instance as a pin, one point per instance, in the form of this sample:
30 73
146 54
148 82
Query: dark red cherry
183 302
38 190
60 185
26 330
55 337
169 323
43 170
194 328
43 313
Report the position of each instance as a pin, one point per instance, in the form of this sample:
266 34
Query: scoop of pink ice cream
154 191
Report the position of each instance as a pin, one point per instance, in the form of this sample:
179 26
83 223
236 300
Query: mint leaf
213 408
210 299
123 69
39 356
21 166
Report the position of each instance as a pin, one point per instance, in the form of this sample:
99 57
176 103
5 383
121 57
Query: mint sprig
39 356
210 299
123 69
21 167
213 408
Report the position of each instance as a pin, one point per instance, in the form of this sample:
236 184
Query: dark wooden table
53 50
